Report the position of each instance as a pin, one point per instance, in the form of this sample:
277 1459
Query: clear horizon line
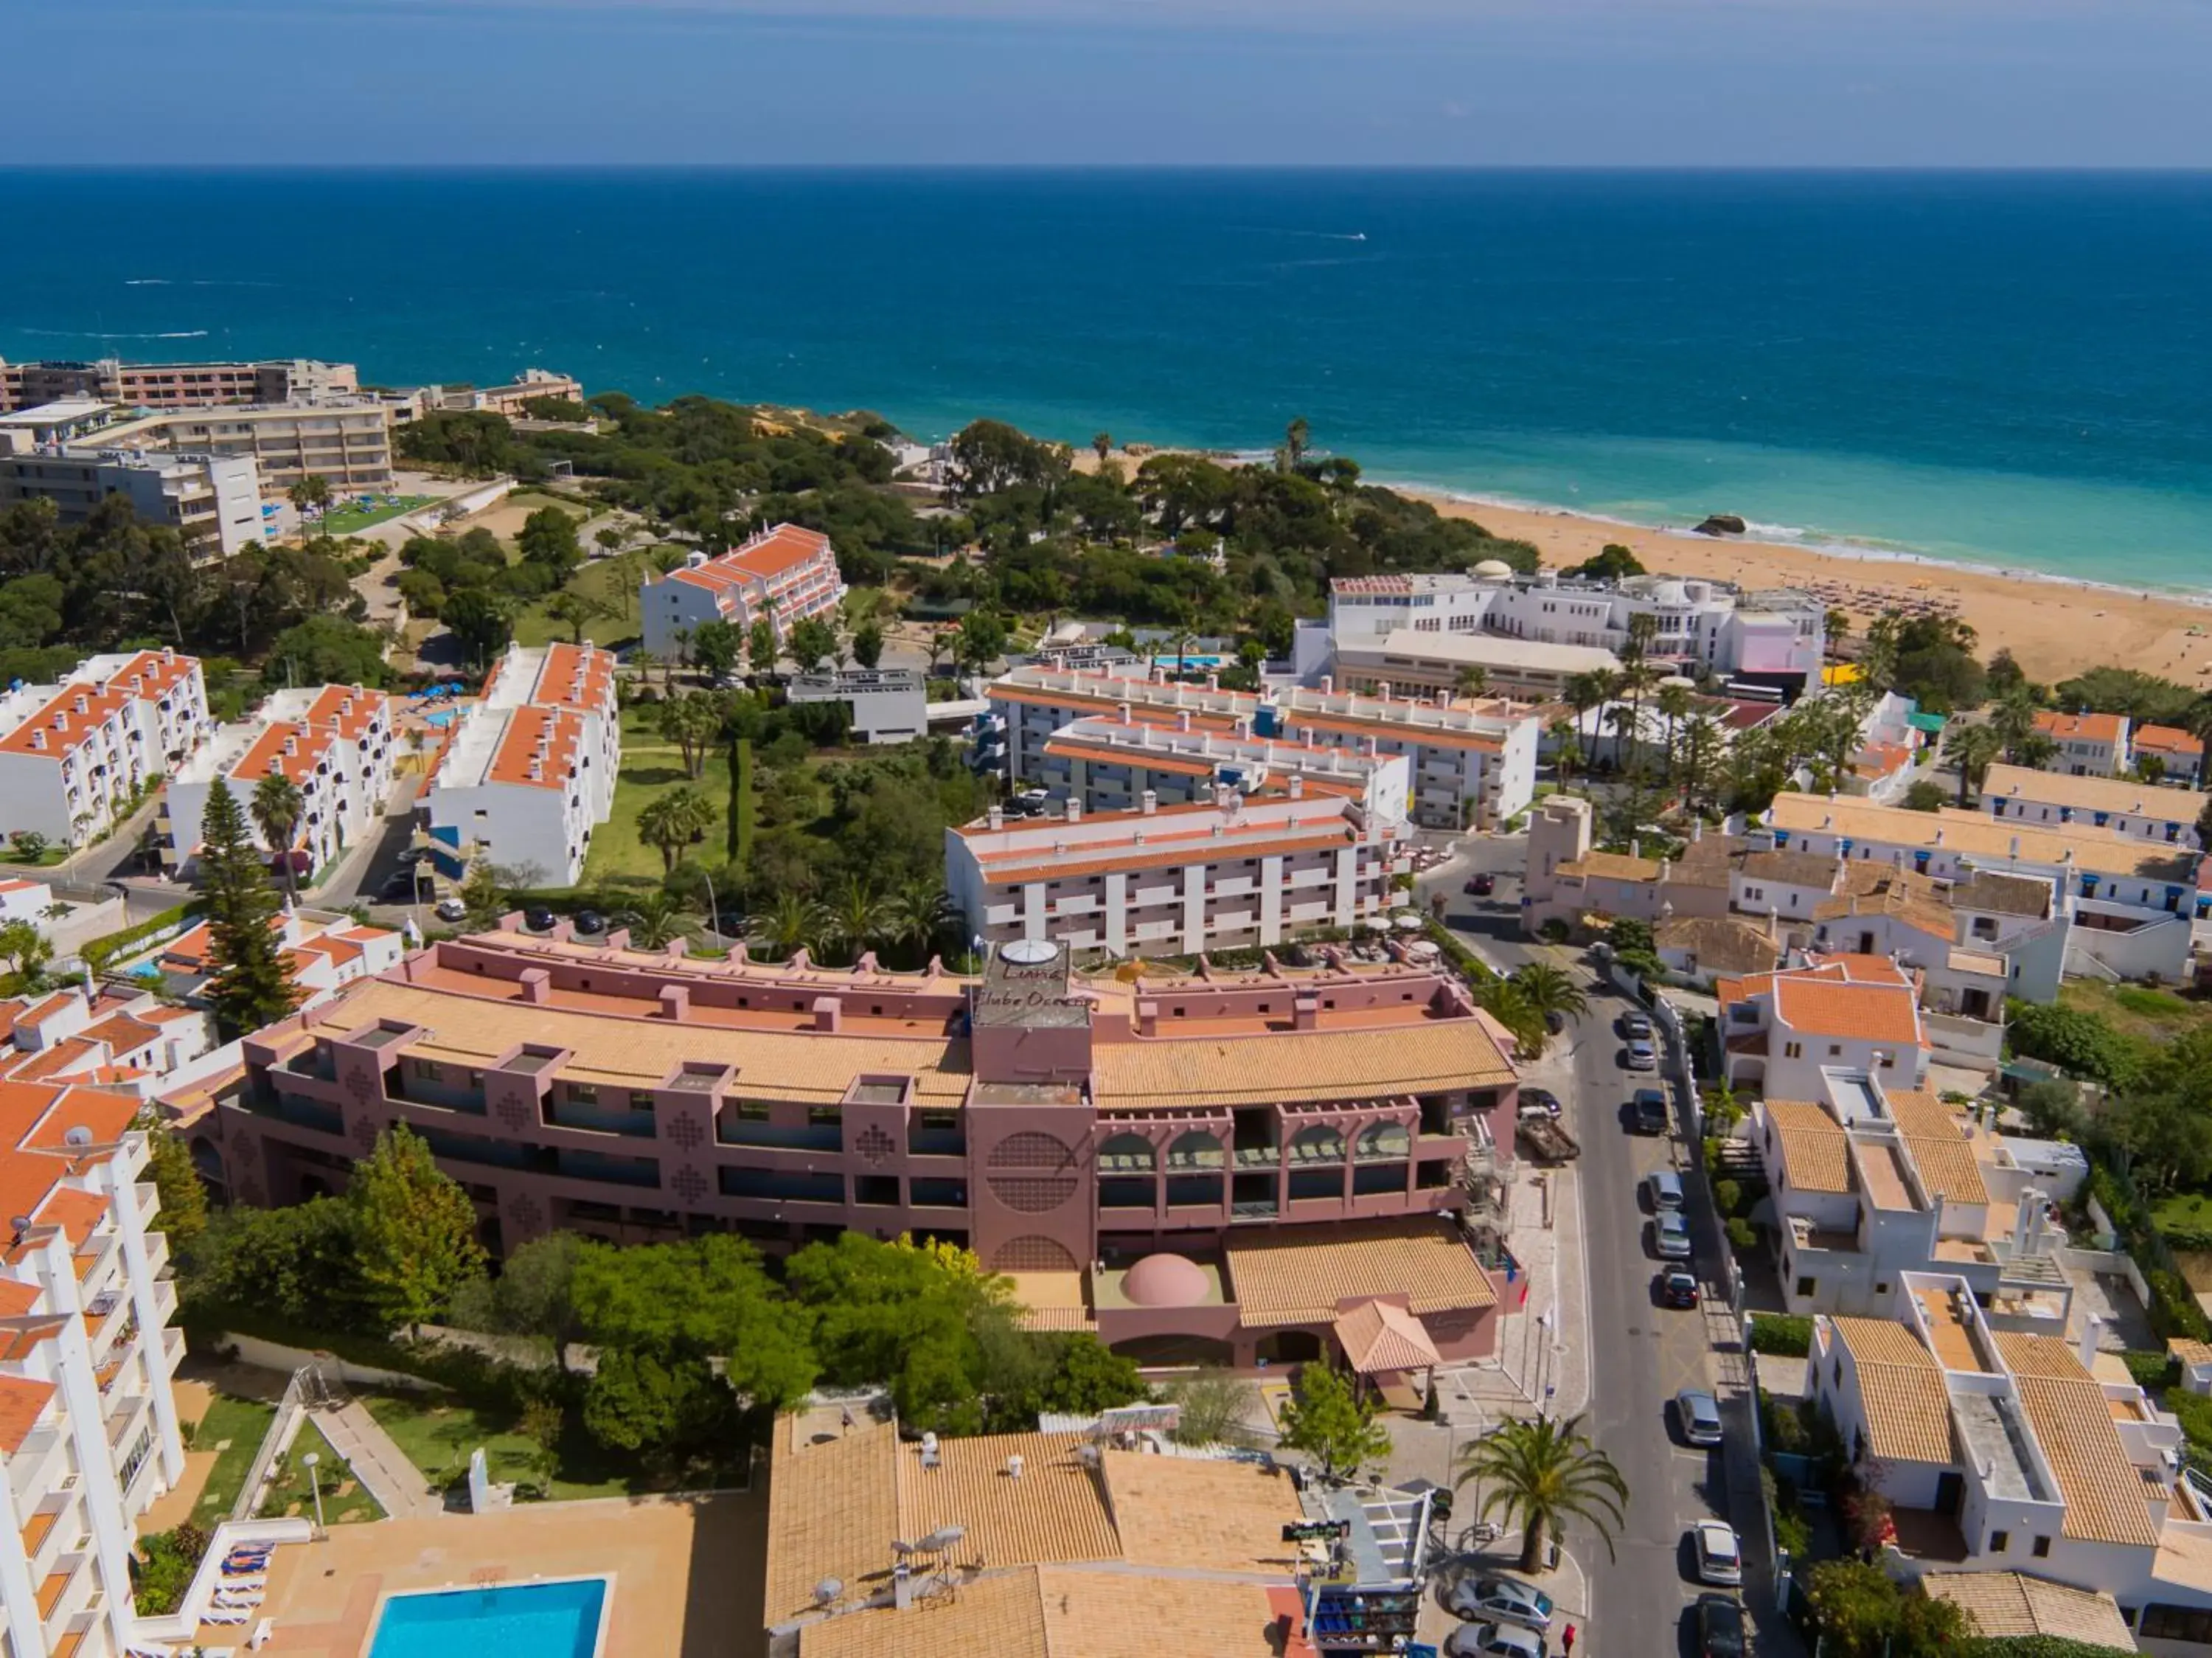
2003 169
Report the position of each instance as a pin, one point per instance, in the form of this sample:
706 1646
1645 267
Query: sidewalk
377 1463
1542 1361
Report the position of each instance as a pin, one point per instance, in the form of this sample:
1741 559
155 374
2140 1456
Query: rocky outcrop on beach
1722 523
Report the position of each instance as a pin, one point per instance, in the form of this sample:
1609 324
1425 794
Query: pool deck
688 1572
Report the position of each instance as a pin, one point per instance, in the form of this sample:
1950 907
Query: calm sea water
2011 370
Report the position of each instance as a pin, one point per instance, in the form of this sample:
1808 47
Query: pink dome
1167 1280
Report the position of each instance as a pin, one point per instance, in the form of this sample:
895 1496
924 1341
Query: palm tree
1537 1475
1696 757
1973 749
1102 444
917 915
1472 680
1566 752
793 922
1548 990
1674 702
670 822
857 915
681 639
656 920
574 610
1837 625
1509 1004
2014 719
276 810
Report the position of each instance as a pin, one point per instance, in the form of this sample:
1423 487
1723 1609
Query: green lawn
2140 1010
350 520
438 1434
346 1501
651 765
598 581
232 1428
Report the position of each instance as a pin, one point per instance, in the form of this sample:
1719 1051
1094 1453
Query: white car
1498 1600
1493 1640
452 909
1720 1556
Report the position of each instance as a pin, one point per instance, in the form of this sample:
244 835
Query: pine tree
414 1230
253 983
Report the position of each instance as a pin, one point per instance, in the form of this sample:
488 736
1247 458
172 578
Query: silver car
1499 1600
1720 1556
1700 1414
1670 1235
1493 1640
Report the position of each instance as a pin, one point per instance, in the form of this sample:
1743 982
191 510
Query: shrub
1793 1534
1553 931
2151 1371
2075 1040
2173 1310
1740 1234
1727 1196
1782 1334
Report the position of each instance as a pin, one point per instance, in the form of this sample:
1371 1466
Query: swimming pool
516 1620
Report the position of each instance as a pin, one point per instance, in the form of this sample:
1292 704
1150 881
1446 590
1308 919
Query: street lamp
314 1479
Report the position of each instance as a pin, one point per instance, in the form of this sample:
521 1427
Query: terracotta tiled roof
2072 1421
1976 834
1792 868
1815 1152
1421 1057
2166 740
576 677
1208 1515
1001 1613
834 1508
349 710
1720 943
1055 1511
1908 1412
21 1399
1866 1013
1948 1168
1300 1275
1175 764
284 747
2193 1354
519 747
1611 866
62 725
1100 1615
2086 727
2117 796
2007 1604
1379 1337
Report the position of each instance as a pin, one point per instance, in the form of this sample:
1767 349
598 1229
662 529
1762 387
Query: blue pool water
527 1620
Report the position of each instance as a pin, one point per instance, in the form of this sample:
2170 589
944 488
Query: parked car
1720 1556
1650 1109
1720 1627
452 909
1635 1024
1482 886
1679 1289
1540 1102
1662 1189
1641 1055
590 923
398 887
538 919
1499 1600
1701 1413
1670 1235
1493 1640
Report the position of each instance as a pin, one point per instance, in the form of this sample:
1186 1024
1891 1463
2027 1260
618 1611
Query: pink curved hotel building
1225 1168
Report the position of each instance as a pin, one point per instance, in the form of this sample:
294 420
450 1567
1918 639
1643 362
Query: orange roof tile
518 748
1868 1013
349 710
1015 869
61 726
2166 740
579 678
284 746
151 673
2088 728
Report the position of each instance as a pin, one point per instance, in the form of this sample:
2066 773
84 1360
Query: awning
1381 1337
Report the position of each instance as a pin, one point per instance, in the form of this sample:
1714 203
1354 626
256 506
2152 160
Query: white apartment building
531 767
1235 872
71 754
1784 1033
325 951
2126 904
887 705
2143 811
89 1432
347 443
119 1038
333 742
1776 638
1471 763
1869 1185
2085 744
2179 754
1409 663
214 501
175 385
786 574
2004 1445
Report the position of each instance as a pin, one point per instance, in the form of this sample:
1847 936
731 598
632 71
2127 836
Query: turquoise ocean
2006 369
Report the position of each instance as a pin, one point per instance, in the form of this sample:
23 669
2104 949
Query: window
1880 1289
1835 1366
2160 1623
1793 1050
427 1071
824 1116
2041 1548
1835 1050
751 1111
1889 1061
1806 1286
583 1093
640 1100
2000 1541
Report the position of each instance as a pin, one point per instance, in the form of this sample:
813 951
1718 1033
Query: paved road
1642 1354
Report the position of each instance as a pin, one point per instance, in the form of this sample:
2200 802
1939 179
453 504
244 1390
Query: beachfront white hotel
71 754
1530 633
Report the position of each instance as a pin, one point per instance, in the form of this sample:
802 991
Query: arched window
1127 1153
1196 1150
1319 1145
1385 1141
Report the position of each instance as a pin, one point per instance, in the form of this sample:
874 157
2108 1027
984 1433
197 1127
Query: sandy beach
2054 628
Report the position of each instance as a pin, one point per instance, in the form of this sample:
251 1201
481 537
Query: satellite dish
1028 952
80 1136
827 1590
940 1539
19 1224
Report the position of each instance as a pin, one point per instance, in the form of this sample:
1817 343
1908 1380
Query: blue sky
1497 83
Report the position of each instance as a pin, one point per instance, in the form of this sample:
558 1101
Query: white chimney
2015 845
2086 1350
1149 801
1182 720
1014 1466
1328 685
1298 787
996 817
1074 810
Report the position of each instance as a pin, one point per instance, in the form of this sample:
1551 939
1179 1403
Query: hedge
101 951
1784 1335
473 1375
2151 1370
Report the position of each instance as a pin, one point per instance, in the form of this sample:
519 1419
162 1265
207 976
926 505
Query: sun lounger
226 1615
241 1598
